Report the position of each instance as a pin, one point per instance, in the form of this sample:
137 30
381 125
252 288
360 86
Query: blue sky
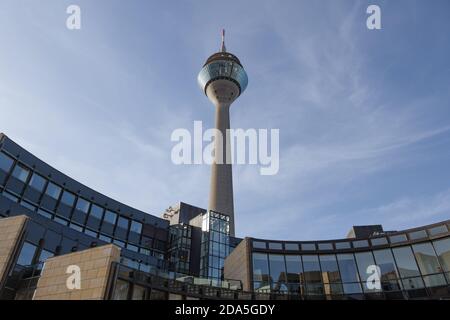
363 115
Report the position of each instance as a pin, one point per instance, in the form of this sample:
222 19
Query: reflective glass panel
385 260
68 198
6 162
260 267
293 268
37 182
82 205
330 269
347 265
21 173
110 217
277 268
53 190
442 248
426 258
405 262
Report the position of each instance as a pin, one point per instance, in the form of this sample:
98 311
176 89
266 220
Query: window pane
123 223
360 244
385 260
26 254
53 190
37 182
260 267
82 205
405 262
311 274
21 173
378 241
136 226
68 198
293 268
347 265
308 246
325 246
398 238
436 280
138 293
413 283
342 245
275 246
443 250
110 217
418 235
6 162
277 268
426 258
121 290
364 260
437 230
96 211
291 246
45 255
330 269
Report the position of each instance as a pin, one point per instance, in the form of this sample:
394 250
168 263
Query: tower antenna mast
223 49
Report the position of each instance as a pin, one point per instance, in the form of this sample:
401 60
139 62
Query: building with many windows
48 219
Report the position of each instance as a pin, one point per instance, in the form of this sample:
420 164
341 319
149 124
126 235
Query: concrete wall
95 265
237 265
11 231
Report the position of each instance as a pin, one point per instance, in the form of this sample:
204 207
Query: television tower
222 79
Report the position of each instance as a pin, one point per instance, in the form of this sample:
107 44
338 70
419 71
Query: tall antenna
223 49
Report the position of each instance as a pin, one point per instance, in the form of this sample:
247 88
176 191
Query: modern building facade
48 219
55 230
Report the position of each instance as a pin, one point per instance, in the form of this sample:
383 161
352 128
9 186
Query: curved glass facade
412 264
223 69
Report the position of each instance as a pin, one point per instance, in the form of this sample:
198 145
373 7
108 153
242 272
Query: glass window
37 182
437 230
10 196
96 211
76 227
119 243
21 173
121 290
90 233
291 246
138 292
398 238
442 248
259 245
61 221
330 269
405 262
364 261
82 205
53 190
308 246
418 235
105 238
426 258
311 274
45 213
123 222
379 241
342 245
136 226
436 280
275 246
132 248
347 265
27 254
260 267
277 268
45 255
68 198
385 260
325 246
293 268
110 217
413 283
360 244
6 162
